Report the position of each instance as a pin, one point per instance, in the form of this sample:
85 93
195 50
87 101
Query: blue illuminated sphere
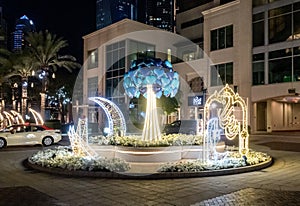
155 72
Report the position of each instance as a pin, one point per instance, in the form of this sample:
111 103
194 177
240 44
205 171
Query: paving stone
18 196
253 196
253 188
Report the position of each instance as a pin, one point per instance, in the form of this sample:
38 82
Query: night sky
68 19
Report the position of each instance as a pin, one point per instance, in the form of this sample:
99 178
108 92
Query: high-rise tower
158 13
112 11
23 25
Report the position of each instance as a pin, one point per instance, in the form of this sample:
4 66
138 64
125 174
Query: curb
150 176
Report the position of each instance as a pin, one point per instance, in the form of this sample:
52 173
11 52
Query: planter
148 154
192 152
107 151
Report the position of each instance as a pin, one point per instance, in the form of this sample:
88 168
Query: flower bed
231 160
61 160
136 141
63 157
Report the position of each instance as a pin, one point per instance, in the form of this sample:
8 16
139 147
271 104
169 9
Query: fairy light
79 138
227 120
111 109
37 117
9 117
19 118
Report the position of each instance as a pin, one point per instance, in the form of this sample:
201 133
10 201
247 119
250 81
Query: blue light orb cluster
155 72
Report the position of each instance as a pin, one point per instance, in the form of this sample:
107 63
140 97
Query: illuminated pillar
43 102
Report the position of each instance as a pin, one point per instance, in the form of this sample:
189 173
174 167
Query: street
278 184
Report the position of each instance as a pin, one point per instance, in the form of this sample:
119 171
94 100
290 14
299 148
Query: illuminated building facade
157 13
262 67
112 11
256 54
108 58
23 25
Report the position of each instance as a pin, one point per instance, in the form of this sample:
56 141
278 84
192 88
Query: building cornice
221 8
118 24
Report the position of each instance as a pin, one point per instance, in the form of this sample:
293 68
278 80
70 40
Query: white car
29 135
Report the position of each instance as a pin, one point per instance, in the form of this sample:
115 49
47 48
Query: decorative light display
116 120
152 78
37 117
14 117
79 138
227 120
213 135
9 117
153 72
18 117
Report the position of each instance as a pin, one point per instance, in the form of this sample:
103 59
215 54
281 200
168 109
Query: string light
227 119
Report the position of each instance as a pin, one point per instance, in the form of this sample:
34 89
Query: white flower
63 157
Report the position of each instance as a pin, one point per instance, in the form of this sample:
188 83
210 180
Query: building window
169 52
221 74
221 38
258 69
258 34
256 3
280 24
192 23
280 66
188 56
93 59
93 87
225 1
140 50
184 5
115 67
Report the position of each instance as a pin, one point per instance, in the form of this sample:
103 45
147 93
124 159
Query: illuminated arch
9 117
79 138
116 120
37 117
227 119
19 119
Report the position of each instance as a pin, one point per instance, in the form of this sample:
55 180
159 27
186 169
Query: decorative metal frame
227 121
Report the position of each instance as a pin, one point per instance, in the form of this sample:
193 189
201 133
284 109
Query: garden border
150 176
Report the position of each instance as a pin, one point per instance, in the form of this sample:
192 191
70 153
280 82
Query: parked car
29 134
190 126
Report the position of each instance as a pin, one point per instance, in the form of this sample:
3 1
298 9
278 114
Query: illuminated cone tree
152 78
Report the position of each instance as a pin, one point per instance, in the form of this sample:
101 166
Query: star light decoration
155 72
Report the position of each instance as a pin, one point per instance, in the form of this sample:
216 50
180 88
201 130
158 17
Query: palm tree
6 66
45 48
23 66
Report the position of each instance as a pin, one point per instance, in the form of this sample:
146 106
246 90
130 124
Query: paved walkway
275 185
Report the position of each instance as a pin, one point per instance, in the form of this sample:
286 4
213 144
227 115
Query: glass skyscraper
112 11
158 13
23 25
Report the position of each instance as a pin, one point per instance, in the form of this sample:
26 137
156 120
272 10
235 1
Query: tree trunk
24 96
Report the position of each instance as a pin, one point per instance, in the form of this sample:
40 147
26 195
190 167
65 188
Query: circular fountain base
149 154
